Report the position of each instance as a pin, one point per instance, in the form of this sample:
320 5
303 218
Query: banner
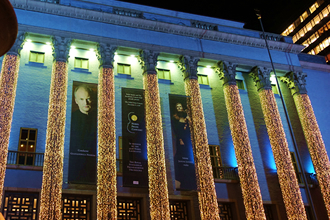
83 134
135 163
184 164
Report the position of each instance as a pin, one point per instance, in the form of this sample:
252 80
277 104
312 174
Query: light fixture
73 47
48 43
171 61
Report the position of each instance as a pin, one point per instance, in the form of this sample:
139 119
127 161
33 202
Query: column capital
61 48
148 61
188 65
106 54
227 72
18 45
296 82
261 76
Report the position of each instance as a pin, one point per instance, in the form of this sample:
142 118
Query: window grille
76 207
225 210
268 212
128 209
179 210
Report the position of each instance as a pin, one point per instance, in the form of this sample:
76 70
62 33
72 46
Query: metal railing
228 173
25 158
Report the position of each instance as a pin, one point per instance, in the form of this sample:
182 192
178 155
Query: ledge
24 167
79 70
34 64
123 76
165 81
225 181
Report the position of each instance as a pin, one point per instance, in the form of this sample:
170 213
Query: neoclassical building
113 110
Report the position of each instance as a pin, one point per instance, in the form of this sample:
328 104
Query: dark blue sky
276 14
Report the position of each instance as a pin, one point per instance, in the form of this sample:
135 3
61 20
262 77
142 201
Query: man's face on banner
83 100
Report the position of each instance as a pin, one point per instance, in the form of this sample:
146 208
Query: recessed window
274 88
240 84
124 68
81 63
216 161
20 205
37 57
76 207
128 208
295 166
203 79
164 74
27 146
225 210
179 209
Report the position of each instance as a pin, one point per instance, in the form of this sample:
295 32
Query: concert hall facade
114 110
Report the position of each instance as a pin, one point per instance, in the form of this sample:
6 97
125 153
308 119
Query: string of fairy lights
51 191
158 191
207 197
106 166
246 169
8 83
315 144
287 178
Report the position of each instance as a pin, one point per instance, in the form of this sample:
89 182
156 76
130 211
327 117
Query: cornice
85 14
315 66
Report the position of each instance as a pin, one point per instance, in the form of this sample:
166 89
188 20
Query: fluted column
208 204
287 177
51 191
158 191
296 82
8 83
106 165
246 169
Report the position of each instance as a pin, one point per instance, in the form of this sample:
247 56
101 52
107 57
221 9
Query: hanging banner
135 163
83 134
184 164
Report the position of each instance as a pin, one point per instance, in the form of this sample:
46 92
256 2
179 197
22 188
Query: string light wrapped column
246 169
8 83
208 204
296 82
287 177
106 165
51 191
158 191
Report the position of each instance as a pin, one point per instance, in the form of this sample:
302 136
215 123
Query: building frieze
133 22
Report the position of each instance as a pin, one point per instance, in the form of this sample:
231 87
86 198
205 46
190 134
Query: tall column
208 204
287 177
106 165
246 169
296 82
51 191
8 82
158 191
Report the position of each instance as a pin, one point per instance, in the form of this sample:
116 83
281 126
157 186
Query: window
240 84
295 166
269 212
216 161
77 207
164 74
179 210
203 79
124 68
128 209
27 146
81 63
225 210
313 7
37 57
20 205
274 88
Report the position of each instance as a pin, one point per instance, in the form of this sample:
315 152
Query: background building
247 165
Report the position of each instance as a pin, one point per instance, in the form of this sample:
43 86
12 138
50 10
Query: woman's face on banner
179 107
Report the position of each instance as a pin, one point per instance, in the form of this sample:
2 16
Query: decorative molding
61 48
188 65
128 12
105 54
204 25
296 82
261 76
109 18
227 72
148 61
18 45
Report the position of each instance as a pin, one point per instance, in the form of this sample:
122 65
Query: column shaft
106 167
8 83
287 178
246 169
158 191
208 204
51 192
315 145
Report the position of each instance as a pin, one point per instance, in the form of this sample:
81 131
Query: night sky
276 15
